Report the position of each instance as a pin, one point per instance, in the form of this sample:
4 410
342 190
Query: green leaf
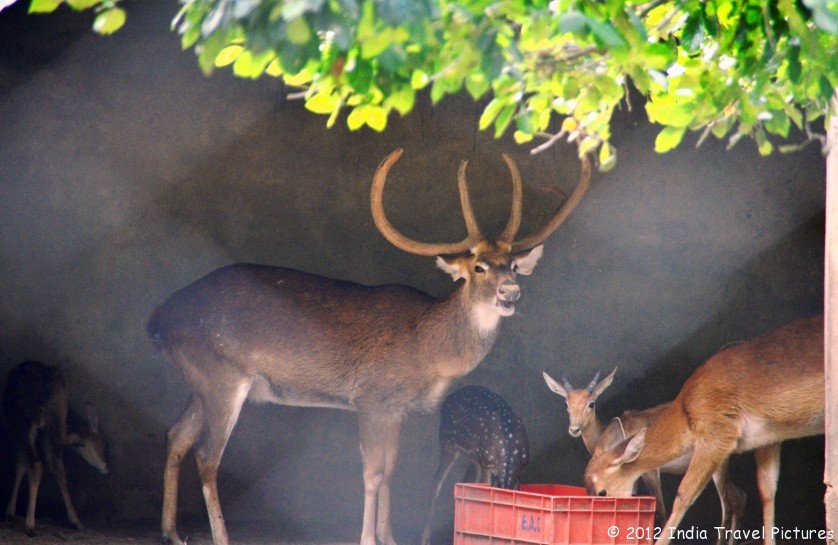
669 138
503 120
606 33
109 21
402 100
80 5
476 85
573 22
522 137
322 103
44 6
419 79
228 55
607 157
373 116
298 31
489 114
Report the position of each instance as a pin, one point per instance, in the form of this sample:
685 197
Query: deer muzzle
508 293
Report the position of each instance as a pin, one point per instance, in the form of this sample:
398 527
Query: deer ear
452 267
603 384
92 416
554 386
633 448
526 261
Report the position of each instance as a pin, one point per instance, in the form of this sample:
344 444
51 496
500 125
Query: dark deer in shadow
41 425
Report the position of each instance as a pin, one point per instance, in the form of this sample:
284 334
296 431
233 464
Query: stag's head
581 402
488 268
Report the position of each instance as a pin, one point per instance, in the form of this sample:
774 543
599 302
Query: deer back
480 423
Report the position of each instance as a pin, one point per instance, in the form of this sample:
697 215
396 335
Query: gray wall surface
125 174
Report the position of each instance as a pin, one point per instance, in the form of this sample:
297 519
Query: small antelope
752 395
480 424
277 335
581 409
581 406
41 423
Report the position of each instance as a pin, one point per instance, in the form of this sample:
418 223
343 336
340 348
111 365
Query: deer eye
591 404
479 268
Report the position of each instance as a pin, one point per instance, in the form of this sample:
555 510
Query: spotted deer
479 424
752 395
271 334
581 410
41 425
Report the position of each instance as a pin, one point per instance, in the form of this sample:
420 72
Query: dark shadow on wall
759 299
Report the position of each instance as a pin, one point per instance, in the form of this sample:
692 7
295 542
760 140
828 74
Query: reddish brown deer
581 410
282 336
752 395
41 424
479 424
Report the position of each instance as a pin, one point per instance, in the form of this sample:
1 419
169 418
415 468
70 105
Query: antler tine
592 384
533 240
399 240
514 223
465 203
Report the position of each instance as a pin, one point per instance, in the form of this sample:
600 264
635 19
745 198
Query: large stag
276 335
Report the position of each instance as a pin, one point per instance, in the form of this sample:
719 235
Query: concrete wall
125 174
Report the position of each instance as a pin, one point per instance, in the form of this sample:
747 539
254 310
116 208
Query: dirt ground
11 533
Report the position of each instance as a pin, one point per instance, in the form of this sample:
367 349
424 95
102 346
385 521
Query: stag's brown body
283 336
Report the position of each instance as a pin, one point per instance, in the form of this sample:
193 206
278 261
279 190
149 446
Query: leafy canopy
548 69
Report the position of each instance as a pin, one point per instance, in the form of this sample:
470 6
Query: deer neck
667 439
592 433
459 332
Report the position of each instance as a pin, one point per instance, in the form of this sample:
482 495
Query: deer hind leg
34 470
180 438
221 412
384 529
768 471
652 479
448 457
705 462
733 503
20 471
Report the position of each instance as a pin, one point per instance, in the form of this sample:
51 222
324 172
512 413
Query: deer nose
509 291
574 430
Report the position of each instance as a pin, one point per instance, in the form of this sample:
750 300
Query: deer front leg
705 461
446 462
383 527
61 476
375 432
768 471
652 479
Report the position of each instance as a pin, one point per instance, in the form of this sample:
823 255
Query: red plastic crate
549 514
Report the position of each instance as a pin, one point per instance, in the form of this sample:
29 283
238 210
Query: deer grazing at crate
752 395
41 424
478 423
581 410
276 335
